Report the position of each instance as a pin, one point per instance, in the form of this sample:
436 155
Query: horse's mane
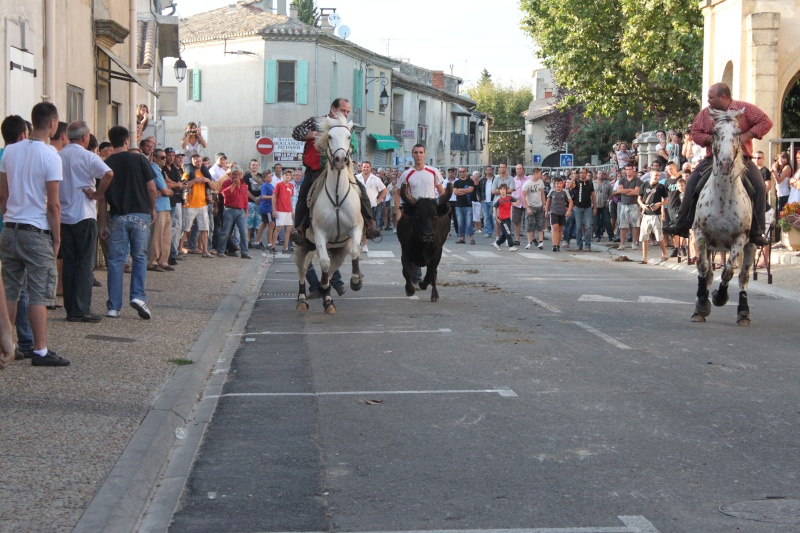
324 125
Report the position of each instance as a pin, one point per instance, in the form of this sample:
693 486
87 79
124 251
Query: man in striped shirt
753 123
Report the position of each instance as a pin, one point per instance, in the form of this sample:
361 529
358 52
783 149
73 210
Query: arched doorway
790 111
727 75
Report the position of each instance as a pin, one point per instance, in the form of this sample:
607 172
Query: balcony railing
397 128
462 142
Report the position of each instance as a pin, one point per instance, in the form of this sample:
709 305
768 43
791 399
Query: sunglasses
162 157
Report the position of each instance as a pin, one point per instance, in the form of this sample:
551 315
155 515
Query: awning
385 142
456 109
129 75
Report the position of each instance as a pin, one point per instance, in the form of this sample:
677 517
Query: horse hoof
330 309
302 307
356 286
703 309
410 291
719 299
434 299
743 322
423 286
698 318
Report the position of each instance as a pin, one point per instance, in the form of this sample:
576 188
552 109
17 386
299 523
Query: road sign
566 160
537 159
265 146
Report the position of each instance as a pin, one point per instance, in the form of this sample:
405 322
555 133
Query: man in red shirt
234 197
307 132
753 123
282 209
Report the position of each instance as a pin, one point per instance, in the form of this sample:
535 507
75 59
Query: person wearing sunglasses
160 234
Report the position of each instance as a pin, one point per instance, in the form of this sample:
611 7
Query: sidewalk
62 430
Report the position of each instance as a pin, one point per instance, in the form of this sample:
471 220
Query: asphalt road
543 391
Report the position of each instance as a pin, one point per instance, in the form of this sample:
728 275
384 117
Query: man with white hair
81 169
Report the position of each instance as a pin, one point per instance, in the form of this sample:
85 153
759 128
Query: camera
191 131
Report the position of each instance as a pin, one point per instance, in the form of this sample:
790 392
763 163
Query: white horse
722 220
335 206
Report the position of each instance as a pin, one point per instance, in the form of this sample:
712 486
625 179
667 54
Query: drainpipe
132 43
50 55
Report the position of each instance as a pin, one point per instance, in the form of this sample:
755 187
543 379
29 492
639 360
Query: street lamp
180 70
384 96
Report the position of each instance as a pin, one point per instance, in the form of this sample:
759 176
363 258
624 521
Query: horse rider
312 159
753 123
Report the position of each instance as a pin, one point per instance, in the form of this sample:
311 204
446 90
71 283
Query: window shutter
196 84
270 81
358 90
301 83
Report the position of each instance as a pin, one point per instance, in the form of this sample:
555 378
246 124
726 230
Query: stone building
542 107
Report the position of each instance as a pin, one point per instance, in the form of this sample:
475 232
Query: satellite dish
334 19
344 32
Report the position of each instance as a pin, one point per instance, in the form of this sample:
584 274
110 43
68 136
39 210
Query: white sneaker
512 249
621 247
365 249
478 231
634 246
141 308
496 246
541 246
394 230
528 246
111 313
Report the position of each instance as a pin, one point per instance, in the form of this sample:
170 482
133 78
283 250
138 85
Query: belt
26 227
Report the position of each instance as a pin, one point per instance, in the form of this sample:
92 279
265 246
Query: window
334 80
286 81
74 103
193 84
115 107
21 82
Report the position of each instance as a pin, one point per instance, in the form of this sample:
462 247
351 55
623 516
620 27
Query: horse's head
335 141
725 146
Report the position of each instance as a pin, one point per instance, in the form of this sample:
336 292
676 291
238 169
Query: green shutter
196 85
358 90
301 84
270 81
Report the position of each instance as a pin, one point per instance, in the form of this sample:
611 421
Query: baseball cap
169 150
179 152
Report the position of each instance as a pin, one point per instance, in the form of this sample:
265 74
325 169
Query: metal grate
108 338
278 293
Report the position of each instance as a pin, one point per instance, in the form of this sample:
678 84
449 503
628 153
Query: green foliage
790 114
505 103
596 135
610 54
307 11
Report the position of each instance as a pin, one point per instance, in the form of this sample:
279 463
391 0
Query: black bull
422 231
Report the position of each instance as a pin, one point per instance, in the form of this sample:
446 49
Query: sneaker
540 246
394 230
51 359
674 253
528 246
365 249
565 245
487 236
587 248
512 249
112 313
96 283
141 308
172 261
516 243
555 248
340 290
478 231
22 354
287 251
496 246
246 256
634 246
221 256
89 319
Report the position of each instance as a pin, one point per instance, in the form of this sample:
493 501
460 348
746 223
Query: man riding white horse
753 123
307 132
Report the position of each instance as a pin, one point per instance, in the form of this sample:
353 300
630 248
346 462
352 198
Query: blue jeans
230 217
131 230
569 227
583 223
602 221
313 279
23 323
464 215
488 218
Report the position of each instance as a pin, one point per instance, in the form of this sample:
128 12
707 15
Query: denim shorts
28 254
628 215
192 213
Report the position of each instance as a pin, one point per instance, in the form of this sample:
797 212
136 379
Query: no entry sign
265 146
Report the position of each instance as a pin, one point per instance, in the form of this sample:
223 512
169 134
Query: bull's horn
448 193
405 196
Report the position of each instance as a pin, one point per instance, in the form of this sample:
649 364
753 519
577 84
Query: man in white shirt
376 191
81 169
517 208
219 168
30 172
421 181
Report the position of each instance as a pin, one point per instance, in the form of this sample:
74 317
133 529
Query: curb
123 497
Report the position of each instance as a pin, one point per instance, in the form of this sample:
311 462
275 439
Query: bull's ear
443 209
408 209
445 198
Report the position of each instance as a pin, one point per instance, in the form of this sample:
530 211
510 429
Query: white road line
633 524
540 303
503 391
483 254
378 253
608 338
601 298
440 330
348 298
536 256
459 257
446 249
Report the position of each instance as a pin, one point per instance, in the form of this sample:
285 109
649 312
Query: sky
462 37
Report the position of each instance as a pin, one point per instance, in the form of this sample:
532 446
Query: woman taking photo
781 171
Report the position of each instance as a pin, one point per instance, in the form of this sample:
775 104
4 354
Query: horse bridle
337 203
346 152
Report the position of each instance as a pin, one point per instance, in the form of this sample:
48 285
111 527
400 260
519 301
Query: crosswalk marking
482 254
536 256
600 298
640 299
375 254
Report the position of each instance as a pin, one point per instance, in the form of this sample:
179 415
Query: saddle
701 182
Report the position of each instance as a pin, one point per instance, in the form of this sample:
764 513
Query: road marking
633 524
533 255
459 257
640 299
608 338
659 300
482 254
446 249
377 254
547 306
365 332
599 298
348 298
502 391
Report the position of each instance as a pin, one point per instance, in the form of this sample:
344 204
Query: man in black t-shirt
253 180
673 201
463 188
582 192
652 198
132 199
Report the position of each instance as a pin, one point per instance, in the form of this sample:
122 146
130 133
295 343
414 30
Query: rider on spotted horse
753 123
312 159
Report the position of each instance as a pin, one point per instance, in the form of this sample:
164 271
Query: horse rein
337 203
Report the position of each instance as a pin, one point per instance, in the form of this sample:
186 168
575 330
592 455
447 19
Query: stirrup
674 228
297 236
759 240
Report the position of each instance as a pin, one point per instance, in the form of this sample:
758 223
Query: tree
610 54
505 103
790 113
307 12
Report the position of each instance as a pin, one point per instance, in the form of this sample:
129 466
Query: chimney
437 79
293 10
282 7
325 26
